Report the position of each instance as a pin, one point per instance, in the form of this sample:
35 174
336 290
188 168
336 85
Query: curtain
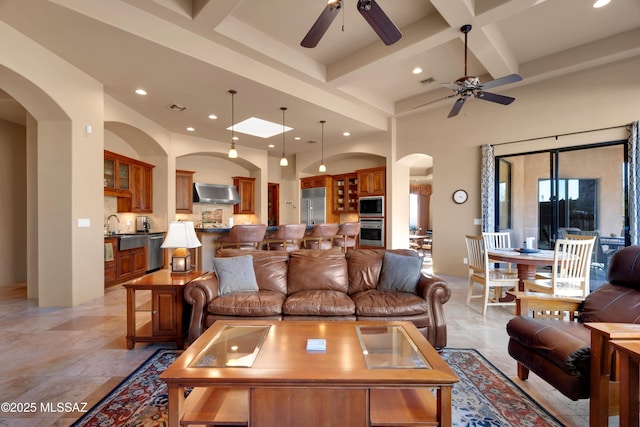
634 182
487 188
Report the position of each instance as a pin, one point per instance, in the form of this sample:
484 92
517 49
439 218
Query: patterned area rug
483 397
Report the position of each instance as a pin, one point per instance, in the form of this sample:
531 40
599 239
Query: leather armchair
560 351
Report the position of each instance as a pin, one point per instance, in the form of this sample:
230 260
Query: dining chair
570 269
287 237
498 240
347 236
493 281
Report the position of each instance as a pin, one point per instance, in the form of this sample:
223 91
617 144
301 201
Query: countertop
141 233
226 229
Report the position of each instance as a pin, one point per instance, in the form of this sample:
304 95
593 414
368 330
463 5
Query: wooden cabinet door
246 190
131 263
165 316
378 182
364 183
184 191
371 182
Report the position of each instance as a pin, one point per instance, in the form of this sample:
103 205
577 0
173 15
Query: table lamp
182 237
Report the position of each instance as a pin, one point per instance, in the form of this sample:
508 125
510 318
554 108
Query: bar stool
321 236
347 236
287 237
245 236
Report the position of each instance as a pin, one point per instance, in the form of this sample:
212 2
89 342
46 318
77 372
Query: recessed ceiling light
213 116
190 129
417 70
271 146
601 3
144 92
260 128
297 138
346 133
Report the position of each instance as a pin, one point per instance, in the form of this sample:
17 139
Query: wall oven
372 232
371 206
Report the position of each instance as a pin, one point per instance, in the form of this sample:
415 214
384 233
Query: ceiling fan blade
494 97
457 107
452 86
379 21
322 24
511 78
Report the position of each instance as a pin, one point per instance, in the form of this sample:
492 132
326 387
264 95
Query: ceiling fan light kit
369 9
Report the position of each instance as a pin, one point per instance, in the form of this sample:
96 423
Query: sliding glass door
579 190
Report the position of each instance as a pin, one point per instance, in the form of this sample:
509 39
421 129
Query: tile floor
79 354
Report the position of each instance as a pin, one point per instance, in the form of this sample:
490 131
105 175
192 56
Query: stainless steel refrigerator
313 205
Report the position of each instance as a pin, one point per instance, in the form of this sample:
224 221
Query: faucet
108 218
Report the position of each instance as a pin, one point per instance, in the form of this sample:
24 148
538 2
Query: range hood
215 193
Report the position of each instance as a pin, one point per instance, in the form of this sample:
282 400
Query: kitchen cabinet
371 182
116 175
110 274
130 180
315 182
345 193
246 189
131 263
184 191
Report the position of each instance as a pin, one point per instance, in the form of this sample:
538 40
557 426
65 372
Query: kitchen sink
132 241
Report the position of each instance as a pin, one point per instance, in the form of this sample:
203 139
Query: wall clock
460 196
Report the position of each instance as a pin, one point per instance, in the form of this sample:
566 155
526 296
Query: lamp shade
181 234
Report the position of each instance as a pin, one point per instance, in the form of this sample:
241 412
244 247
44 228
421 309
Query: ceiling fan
468 86
371 11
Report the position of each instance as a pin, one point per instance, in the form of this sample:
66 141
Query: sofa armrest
546 305
436 292
199 293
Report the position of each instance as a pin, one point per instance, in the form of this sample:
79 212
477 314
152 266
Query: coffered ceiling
191 52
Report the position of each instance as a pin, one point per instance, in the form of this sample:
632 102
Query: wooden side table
629 353
601 336
167 302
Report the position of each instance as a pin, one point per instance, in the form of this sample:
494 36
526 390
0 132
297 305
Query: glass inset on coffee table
236 346
389 347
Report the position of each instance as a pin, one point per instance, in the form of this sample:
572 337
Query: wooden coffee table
260 373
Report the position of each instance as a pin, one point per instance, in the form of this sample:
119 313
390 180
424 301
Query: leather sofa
320 285
558 351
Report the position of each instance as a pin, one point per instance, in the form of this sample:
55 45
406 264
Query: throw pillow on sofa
400 273
235 274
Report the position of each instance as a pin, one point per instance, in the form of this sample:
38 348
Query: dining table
527 261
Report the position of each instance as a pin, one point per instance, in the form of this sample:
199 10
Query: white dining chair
493 281
570 269
498 240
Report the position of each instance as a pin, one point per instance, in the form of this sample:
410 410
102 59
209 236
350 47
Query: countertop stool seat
321 237
347 236
245 236
287 237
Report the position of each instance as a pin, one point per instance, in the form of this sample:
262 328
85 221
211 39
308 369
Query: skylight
258 127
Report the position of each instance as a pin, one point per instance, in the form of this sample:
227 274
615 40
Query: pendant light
283 160
233 153
322 167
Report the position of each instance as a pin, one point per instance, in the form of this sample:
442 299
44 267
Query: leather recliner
558 351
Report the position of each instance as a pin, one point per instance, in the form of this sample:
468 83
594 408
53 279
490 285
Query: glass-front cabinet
116 176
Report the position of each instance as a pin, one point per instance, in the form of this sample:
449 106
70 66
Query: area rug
483 397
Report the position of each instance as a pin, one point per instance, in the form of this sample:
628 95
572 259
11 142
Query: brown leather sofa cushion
565 344
270 267
319 303
624 267
611 303
380 303
364 266
317 270
250 304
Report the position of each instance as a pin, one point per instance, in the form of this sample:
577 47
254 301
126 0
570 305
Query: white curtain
487 188
634 182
